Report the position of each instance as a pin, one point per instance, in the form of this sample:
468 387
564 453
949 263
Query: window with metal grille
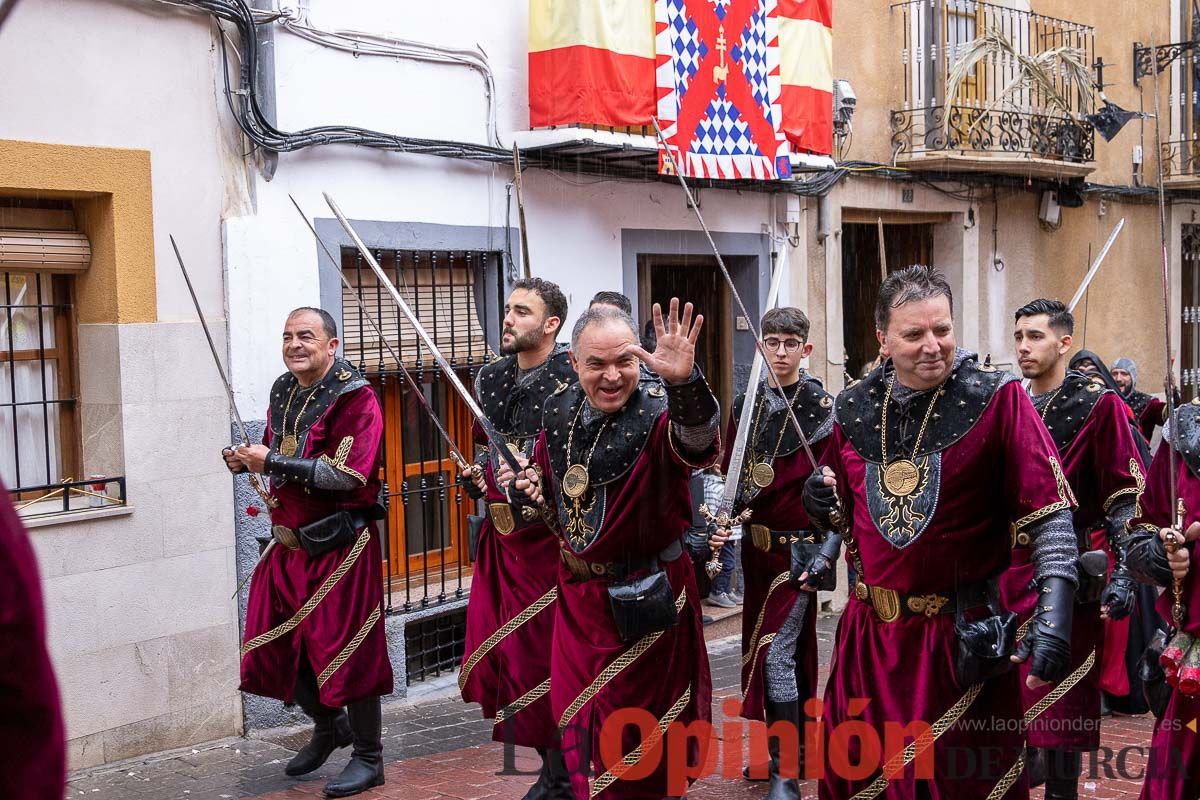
426 542
39 443
434 646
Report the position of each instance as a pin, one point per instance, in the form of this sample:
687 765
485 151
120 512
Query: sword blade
418 392
732 287
1091 273
521 211
468 399
737 455
211 346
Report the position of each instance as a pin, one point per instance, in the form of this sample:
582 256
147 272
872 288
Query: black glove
1048 640
1118 595
518 498
1146 557
470 487
820 501
820 568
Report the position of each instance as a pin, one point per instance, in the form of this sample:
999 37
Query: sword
455 454
722 516
6 7
490 433
1176 539
520 210
1091 273
254 481
737 298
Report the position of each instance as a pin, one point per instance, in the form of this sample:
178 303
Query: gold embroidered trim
349 649
307 608
753 648
1058 691
1118 494
651 741
503 631
338 461
1026 521
615 668
1010 777
905 757
1135 469
530 697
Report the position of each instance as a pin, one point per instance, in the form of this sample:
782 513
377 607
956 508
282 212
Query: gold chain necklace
575 483
291 441
762 474
902 476
1046 407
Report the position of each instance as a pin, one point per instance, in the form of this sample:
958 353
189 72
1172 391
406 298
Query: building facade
118 132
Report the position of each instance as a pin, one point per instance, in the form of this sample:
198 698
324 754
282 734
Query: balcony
1181 150
989 126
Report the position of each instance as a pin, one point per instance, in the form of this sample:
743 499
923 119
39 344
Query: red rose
252 510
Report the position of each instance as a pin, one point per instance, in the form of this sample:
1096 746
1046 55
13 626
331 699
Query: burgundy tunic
1173 767
594 673
331 606
510 622
769 600
999 473
1102 465
33 758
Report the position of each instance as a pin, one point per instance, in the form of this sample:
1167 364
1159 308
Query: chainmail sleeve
695 415
1055 551
326 477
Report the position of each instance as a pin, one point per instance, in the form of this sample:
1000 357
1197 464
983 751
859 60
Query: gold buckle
761 536
285 536
502 518
886 603
576 566
929 605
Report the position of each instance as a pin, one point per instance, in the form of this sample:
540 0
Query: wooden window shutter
51 251
438 287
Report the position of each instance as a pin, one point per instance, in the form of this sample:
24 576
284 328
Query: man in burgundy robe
779 636
1090 428
33 755
510 615
933 459
1173 767
314 623
616 453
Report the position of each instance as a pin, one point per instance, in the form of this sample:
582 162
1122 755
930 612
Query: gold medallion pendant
514 449
901 477
762 475
288 446
575 481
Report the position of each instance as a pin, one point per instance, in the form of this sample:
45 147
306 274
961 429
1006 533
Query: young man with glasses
779 645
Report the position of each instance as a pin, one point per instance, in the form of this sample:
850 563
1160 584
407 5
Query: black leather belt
889 605
584 570
766 539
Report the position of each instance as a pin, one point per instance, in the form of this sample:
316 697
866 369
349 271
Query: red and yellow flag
591 62
806 66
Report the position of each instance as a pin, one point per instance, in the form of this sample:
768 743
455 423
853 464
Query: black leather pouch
642 605
984 645
474 526
327 533
1154 679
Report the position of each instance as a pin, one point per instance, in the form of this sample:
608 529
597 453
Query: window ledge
71 517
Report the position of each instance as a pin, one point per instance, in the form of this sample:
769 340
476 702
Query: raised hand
675 354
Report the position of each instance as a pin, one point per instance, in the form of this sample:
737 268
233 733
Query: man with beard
314 627
510 613
779 636
1148 410
1172 770
1089 426
617 454
934 458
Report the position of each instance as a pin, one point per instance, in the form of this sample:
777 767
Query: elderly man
510 616
1090 428
314 626
934 458
616 454
1148 410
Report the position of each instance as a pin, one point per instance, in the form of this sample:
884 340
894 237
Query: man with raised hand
933 459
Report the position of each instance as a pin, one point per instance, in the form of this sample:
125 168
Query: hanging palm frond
1040 72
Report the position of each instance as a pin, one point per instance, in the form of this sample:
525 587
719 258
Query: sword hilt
721 520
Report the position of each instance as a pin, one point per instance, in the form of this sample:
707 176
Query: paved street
440 749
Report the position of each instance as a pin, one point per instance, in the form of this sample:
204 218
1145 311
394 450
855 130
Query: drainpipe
264 82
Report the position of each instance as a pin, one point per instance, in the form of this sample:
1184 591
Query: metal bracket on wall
1146 58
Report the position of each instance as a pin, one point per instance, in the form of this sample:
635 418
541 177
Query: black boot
1035 766
1062 774
365 769
538 790
331 728
781 788
558 780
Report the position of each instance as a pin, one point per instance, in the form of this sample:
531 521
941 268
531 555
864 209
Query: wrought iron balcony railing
985 117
